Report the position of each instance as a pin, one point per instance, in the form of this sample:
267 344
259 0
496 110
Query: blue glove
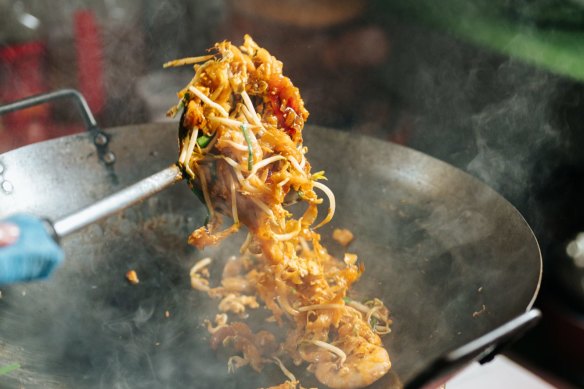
33 256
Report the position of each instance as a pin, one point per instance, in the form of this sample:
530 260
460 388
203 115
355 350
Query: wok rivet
109 158
100 139
7 187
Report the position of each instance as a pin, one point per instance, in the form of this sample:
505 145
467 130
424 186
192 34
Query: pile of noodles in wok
241 148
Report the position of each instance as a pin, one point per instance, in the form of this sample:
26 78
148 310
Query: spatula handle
32 255
132 195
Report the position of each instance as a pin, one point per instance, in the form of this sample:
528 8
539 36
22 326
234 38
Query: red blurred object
22 74
89 51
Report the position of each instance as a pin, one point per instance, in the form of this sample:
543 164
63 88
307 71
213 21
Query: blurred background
494 87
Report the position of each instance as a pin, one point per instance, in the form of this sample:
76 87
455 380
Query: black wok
450 257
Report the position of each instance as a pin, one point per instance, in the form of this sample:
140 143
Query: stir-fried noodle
241 146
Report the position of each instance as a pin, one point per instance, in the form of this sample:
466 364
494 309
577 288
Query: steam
509 132
492 116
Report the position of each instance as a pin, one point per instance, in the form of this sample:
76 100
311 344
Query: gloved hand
27 250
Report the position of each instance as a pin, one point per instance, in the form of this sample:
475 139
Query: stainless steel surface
451 258
132 195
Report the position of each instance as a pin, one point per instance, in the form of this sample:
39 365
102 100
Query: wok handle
100 138
483 350
31 101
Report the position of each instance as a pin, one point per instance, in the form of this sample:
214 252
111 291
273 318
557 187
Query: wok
450 257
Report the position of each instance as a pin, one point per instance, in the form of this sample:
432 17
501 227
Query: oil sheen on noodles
241 146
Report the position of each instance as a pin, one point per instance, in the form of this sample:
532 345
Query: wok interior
449 257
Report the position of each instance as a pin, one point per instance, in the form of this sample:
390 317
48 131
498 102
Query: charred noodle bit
343 236
250 118
132 277
198 281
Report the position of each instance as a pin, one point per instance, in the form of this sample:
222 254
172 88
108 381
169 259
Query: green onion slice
204 140
249 149
9 368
